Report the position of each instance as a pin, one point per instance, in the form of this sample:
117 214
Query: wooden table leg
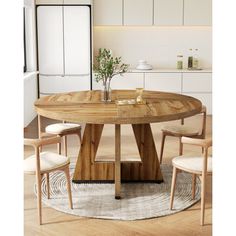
149 170
88 170
117 162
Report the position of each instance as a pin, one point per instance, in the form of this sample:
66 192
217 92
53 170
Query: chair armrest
198 142
40 142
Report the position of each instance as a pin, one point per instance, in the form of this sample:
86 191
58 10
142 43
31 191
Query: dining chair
197 165
60 129
43 163
183 130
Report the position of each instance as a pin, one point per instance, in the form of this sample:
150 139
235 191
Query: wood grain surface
87 107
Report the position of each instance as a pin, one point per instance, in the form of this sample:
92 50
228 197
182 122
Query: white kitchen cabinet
61 84
50 39
77 40
205 98
64 40
63 48
138 12
168 82
108 12
52 2
197 12
78 2
48 2
168 12
197 82
126 81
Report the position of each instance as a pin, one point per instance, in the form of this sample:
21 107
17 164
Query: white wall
158 45
30 95
30 77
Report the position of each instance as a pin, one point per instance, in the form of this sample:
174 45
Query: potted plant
105 68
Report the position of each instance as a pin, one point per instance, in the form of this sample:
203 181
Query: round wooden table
86 107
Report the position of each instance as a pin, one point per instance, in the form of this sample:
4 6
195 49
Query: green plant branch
107 66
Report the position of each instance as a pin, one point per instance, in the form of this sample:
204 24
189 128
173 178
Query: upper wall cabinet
52 2
138 12
197 12
168 12
107 12
49 1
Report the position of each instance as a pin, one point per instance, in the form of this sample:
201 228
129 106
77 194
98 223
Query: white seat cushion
183 130
193 164
59 128
48 161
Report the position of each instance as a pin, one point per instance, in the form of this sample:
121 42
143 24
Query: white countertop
170 70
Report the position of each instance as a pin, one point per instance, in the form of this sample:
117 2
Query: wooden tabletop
87 107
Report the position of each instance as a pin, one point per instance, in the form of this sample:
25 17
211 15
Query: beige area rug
139 200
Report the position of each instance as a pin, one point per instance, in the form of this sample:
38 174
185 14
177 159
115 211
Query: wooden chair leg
39 197
202 149
48 185
180 147
193 185
162 146
67 173
173 184
65 145
203 193
59 148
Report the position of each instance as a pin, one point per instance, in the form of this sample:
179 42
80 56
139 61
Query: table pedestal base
87 169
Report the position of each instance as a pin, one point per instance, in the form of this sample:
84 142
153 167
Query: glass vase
106 93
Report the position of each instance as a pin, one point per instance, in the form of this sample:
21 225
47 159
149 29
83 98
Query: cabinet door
138 12
77 40
49 2
205 98
167 82
127 81
50 39
61 84
108 12
168 12
197 82
197 12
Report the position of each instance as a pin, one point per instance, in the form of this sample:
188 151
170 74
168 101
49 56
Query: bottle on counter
190 59
195 59
179 65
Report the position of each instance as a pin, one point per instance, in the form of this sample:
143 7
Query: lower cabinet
168 82
197 82
125 81
61 84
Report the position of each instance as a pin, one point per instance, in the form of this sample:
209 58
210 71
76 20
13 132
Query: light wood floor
56 223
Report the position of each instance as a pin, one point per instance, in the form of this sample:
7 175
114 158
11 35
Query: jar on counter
195 59
179 62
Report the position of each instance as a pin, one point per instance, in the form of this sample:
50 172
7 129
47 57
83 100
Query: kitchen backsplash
159 46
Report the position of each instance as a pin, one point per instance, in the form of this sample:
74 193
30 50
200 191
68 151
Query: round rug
138 200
